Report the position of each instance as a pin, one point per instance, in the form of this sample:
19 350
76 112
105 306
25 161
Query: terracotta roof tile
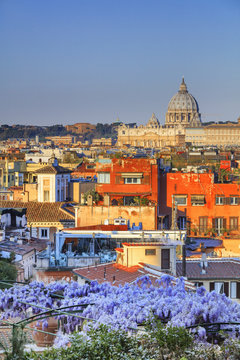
40 211
113 274
51 169
109 227
216 269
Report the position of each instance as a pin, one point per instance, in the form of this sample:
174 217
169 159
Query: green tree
7 271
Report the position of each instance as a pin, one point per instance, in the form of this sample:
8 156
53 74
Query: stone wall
96 215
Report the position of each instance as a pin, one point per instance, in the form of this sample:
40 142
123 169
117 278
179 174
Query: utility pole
184 272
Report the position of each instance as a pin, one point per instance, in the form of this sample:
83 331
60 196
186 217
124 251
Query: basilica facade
183 126
183 112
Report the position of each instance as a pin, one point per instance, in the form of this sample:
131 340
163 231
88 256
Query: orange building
128 181
128 188
84 170
198 201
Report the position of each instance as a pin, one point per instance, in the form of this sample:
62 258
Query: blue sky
67 61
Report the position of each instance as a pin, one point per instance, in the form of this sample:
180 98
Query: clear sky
67 61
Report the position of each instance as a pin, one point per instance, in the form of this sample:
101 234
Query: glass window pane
219 288
233 290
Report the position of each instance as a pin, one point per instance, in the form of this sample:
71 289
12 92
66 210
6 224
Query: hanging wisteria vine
122 307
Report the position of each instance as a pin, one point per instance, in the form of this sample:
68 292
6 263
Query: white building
53 181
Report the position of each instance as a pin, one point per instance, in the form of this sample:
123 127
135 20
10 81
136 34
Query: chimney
203 263
49 250
184 270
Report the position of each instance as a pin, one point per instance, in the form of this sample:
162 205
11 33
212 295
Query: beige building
44 219
152 135
95 215
102 142
195 136
158 254
53 182
223 134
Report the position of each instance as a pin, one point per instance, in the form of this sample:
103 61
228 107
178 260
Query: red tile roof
216 269
121 274
109 227
51 169
40 211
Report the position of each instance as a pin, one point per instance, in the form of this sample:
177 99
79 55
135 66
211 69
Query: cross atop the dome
183 86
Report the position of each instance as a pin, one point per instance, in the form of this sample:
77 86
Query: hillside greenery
30 131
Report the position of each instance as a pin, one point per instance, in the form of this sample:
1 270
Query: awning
132 175
197 197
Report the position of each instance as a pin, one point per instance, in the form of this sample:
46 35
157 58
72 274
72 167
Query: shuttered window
181 200
226 288
220 200
211 286
238 290
132 180
233 223
146 180
165 258
234 200
117 179
197 200
219 287
203 223
233 289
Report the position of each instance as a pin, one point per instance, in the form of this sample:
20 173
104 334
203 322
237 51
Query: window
44 233
104 178
203 223
233 223
181 200
46 195
233 290
220 200
165 258
219 287
234 200
219 224
132 181
150 251
197 200
182 222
